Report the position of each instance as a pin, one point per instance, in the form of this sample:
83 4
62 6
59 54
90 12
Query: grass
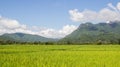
59 56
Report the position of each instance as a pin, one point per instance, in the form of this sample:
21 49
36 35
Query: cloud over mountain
13 26
109 13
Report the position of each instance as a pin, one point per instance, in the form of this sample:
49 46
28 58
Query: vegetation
91 45
101 33
22 37
59 56
87 33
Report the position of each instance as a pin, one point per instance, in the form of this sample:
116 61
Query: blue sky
55 14
47 13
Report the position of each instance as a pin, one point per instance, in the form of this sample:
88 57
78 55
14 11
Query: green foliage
59 56
20 37
107 33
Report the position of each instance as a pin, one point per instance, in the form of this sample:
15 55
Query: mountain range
85 33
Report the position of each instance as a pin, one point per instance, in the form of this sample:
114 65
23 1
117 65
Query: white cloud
8 23
10 26
52 33
110 5
75 15
13 26
110 13
118 6
67 29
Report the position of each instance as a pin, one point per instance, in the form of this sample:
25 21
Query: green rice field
59 56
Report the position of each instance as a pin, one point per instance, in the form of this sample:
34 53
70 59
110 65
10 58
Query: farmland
59 55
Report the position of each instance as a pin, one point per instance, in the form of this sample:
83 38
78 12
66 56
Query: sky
54 18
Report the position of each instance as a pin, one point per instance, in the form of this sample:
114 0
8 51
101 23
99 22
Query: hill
95 33
22 37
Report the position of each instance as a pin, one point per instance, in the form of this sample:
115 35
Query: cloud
68 29
118 6
110 13
111 6
52 33
10 24
75 15
13 26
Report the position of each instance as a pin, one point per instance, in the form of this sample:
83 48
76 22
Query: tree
118 41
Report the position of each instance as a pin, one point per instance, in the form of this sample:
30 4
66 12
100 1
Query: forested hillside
95 33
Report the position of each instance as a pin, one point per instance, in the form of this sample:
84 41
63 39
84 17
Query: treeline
99 42
8 42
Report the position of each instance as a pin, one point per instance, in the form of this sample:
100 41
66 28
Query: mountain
21 37
95 33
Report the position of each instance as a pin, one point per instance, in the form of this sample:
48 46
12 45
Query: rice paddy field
59 56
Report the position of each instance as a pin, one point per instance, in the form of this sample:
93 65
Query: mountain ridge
95 33
22 37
